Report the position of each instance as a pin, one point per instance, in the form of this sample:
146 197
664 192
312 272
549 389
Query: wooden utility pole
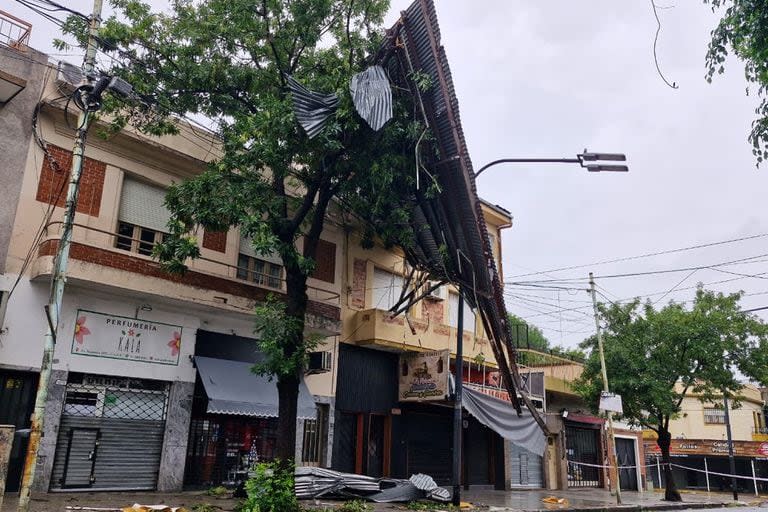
613 470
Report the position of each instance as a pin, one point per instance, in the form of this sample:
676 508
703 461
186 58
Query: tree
653 358
743 30
527 335
230 61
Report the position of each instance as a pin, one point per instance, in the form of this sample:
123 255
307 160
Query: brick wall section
148 268
215 240
325 261
432 309
53 181
359 275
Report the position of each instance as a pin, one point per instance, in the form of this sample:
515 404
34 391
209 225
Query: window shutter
142 204
246 247
386 289
325 258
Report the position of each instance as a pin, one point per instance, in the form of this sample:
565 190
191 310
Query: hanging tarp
372 96
501 417
312 109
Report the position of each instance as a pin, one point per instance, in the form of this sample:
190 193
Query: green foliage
355 506
526 335
275 330
205 507
743 31
270 489
217 491
653 357
429 505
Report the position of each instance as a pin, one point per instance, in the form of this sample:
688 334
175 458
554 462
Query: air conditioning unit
319 362
69 75
438 293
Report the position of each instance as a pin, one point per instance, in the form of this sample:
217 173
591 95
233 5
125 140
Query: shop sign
710 447
423 376
610 402
129 339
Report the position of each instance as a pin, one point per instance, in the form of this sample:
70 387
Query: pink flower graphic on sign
81 330
131 332
175 343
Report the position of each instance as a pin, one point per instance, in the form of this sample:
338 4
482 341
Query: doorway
627 461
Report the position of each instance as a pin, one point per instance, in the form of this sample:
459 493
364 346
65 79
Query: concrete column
57 390
174 454
6 440
508 465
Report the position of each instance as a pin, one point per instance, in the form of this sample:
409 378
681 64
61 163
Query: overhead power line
646 255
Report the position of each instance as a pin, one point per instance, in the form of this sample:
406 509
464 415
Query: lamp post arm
529 161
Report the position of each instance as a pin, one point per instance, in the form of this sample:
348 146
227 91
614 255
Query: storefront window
221 450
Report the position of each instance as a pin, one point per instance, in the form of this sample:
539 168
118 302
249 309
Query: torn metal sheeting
372 96
312 109
313 482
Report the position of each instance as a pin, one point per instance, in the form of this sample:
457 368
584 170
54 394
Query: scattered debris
372 96
312 482
312 109
554 500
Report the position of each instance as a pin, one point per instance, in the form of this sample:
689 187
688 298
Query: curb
642 508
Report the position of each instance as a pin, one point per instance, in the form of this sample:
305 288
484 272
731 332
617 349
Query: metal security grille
583 452
315 436
111 433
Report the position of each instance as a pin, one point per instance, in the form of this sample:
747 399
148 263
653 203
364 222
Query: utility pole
614 467
457 419
731 460
53 308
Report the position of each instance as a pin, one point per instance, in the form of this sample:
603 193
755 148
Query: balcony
760 433
378 327
14 32
100 258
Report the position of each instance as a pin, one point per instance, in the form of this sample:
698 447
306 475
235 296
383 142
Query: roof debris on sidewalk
554 500
133 508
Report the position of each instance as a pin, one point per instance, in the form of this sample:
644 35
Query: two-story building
151 372
700 444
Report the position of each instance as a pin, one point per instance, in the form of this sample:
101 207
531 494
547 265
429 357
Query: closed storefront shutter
143 205
110 438
526 468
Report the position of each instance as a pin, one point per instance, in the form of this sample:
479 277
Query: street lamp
580 159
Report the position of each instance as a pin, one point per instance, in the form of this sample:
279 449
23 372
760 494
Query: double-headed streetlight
592 163
589 161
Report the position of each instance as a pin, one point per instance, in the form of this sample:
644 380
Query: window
136 238
714 416
325 261
453 313
262 270
387 288
315 437
142 217
259 271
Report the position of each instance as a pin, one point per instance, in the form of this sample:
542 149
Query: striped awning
232 388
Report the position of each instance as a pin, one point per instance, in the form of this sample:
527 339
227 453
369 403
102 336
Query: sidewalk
498 501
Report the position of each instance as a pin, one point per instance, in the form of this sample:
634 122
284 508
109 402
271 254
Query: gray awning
501 417
232 388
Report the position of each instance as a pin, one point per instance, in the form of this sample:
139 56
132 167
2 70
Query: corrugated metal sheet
127 455
367 380
372 96
312 109
454 218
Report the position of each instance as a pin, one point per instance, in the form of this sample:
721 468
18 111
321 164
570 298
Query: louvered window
259 269
142 216
387 288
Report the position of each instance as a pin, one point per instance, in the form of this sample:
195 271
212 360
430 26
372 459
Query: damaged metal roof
450 225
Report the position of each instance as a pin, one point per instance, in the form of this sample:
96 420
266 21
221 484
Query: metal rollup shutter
526 467
109 439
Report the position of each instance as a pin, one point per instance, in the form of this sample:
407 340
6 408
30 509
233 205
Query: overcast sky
550 78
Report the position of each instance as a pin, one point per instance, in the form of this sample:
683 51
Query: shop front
394 417
703 463
234 412
17 400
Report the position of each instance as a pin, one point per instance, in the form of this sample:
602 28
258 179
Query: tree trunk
288 385
288 396
670 492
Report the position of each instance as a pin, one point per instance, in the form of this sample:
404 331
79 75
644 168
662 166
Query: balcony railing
14 32
228 271
760 430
